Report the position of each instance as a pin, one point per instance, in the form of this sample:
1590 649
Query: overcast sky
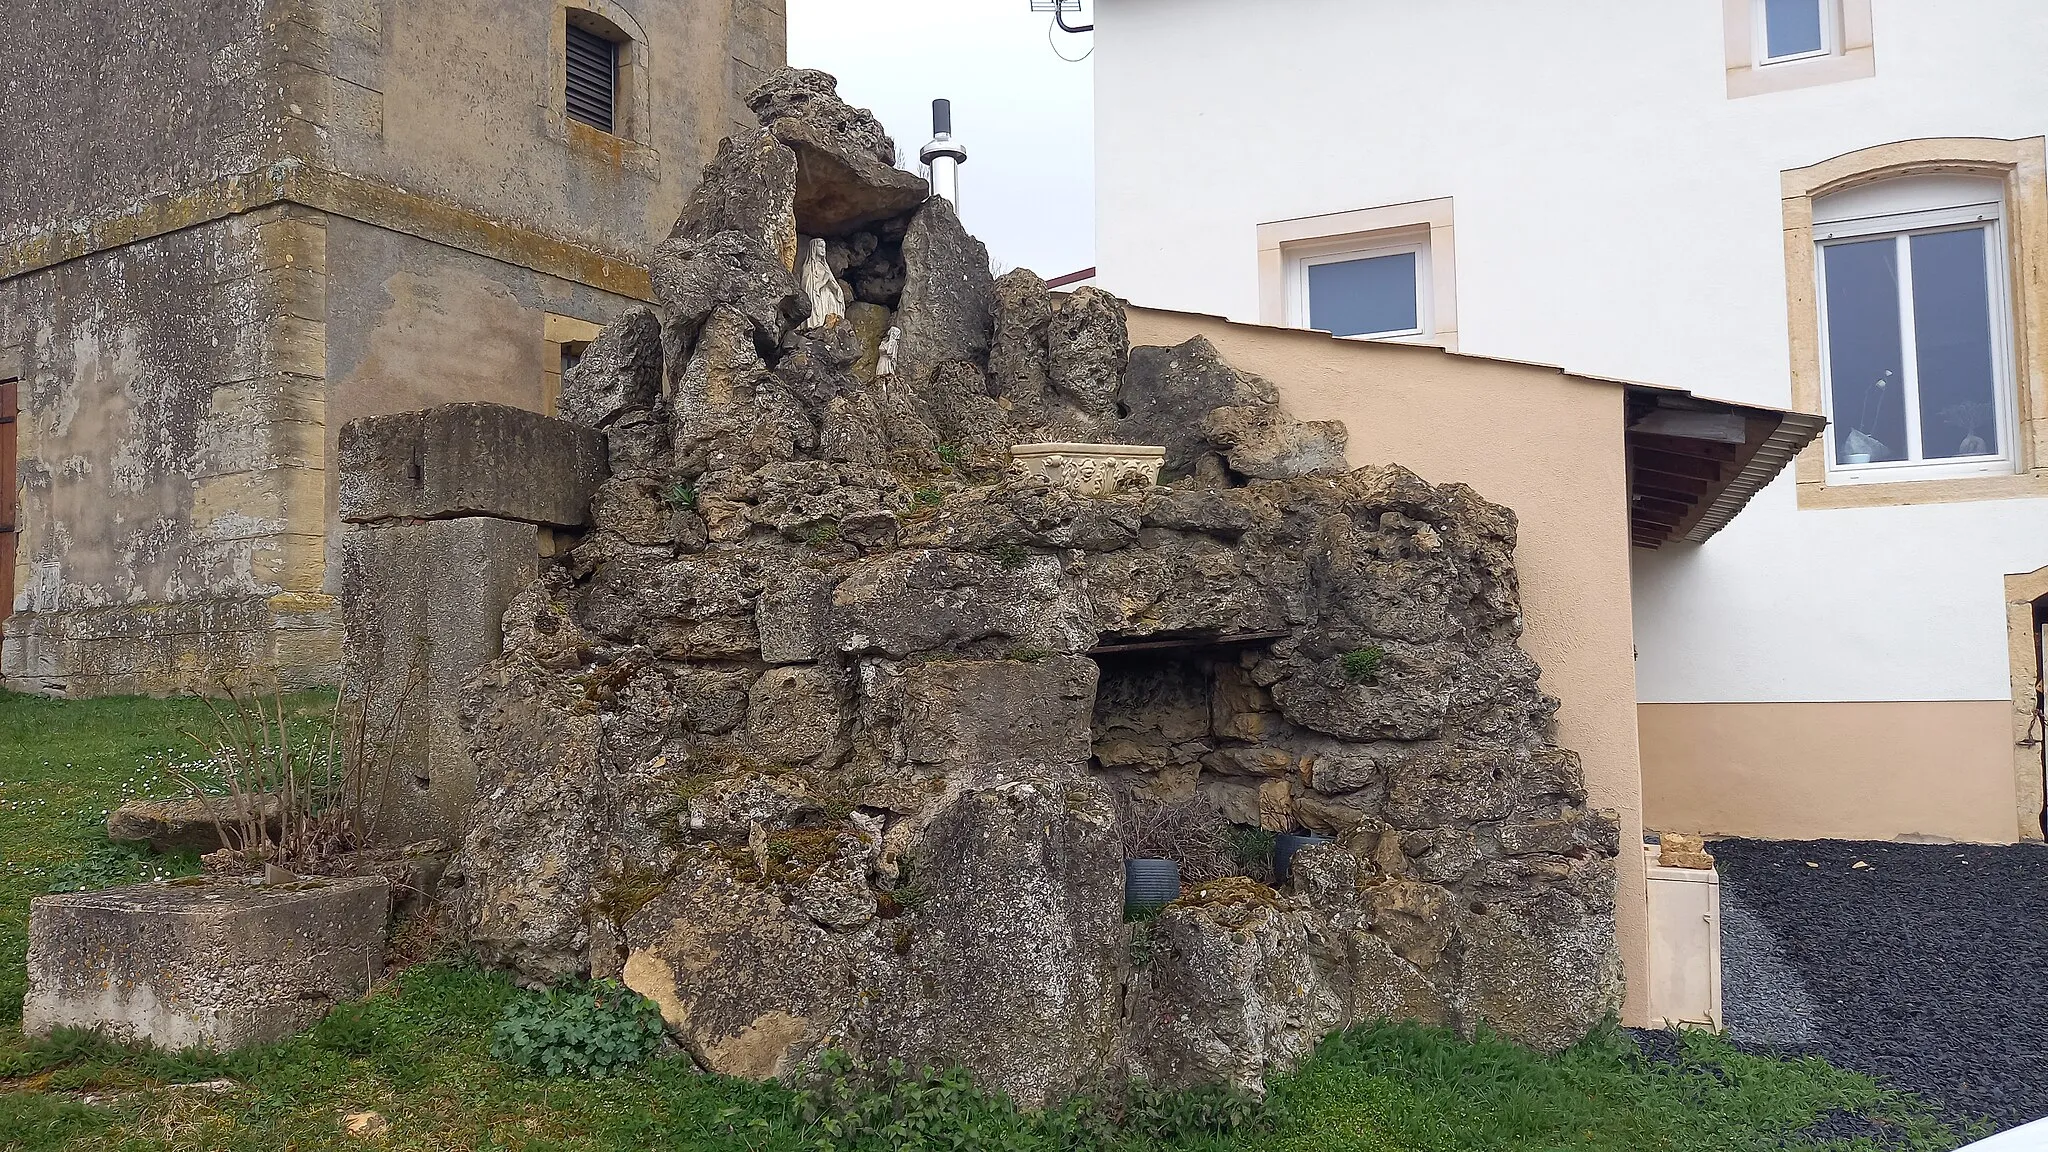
1023 114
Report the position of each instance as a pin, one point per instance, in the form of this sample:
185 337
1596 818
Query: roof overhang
1693 463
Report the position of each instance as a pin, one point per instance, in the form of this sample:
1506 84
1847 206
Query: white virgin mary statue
827 299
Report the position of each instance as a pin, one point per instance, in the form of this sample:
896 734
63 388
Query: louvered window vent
593 78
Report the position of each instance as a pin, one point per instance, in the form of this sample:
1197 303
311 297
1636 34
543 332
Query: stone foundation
177 648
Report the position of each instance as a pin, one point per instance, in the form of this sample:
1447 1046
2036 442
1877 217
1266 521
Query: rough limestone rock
619 372
1262 444
949 298
811 97
1210 416
534 850
832 730
1004 969
1090 348
1236 988
749 187
693 278
841 190
1020 355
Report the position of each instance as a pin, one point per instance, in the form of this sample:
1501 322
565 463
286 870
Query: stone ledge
463 460
213 964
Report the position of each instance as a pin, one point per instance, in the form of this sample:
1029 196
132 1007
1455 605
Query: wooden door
9 531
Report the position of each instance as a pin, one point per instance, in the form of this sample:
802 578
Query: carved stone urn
1092 469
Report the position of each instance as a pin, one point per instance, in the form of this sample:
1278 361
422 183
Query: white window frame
1830 33
1300 258
1901 226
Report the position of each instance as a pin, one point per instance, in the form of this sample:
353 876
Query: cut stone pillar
450 504
216 965
424 604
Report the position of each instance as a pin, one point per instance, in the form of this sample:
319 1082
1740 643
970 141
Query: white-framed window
1788 30
1377 291
1916 330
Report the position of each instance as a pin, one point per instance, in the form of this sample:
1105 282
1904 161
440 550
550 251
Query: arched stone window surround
2022 167
633 115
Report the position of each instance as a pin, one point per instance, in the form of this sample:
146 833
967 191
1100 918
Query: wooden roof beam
1675 464
1671 507
1671 482
1685 446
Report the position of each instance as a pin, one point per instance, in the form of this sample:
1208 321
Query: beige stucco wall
459 101
1547 444
1880 770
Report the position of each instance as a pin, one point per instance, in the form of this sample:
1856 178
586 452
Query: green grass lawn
418 1051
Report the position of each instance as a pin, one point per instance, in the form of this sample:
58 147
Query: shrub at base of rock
819 736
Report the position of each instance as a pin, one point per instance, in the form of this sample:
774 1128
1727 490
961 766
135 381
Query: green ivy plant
1178 1118
849 1107
846 1106
578 1029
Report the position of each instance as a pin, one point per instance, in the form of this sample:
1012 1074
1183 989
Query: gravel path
1927 968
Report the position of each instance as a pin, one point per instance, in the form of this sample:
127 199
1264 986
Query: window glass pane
1866 367
1791 27
1952 331
1357 297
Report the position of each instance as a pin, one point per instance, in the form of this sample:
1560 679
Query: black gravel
1927 969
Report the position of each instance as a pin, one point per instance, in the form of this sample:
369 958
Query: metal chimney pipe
944 155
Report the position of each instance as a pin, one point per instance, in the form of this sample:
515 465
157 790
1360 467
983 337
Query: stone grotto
830 726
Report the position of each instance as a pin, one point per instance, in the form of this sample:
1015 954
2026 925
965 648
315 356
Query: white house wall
1617 213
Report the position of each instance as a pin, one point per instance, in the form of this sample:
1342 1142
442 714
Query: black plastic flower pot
1150 884
1285 845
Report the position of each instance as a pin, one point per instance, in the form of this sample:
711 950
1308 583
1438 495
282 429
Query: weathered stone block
787 616
470 460
216 965
974 715
190 822
793 714
424 605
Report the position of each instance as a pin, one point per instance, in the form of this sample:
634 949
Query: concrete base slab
212 964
